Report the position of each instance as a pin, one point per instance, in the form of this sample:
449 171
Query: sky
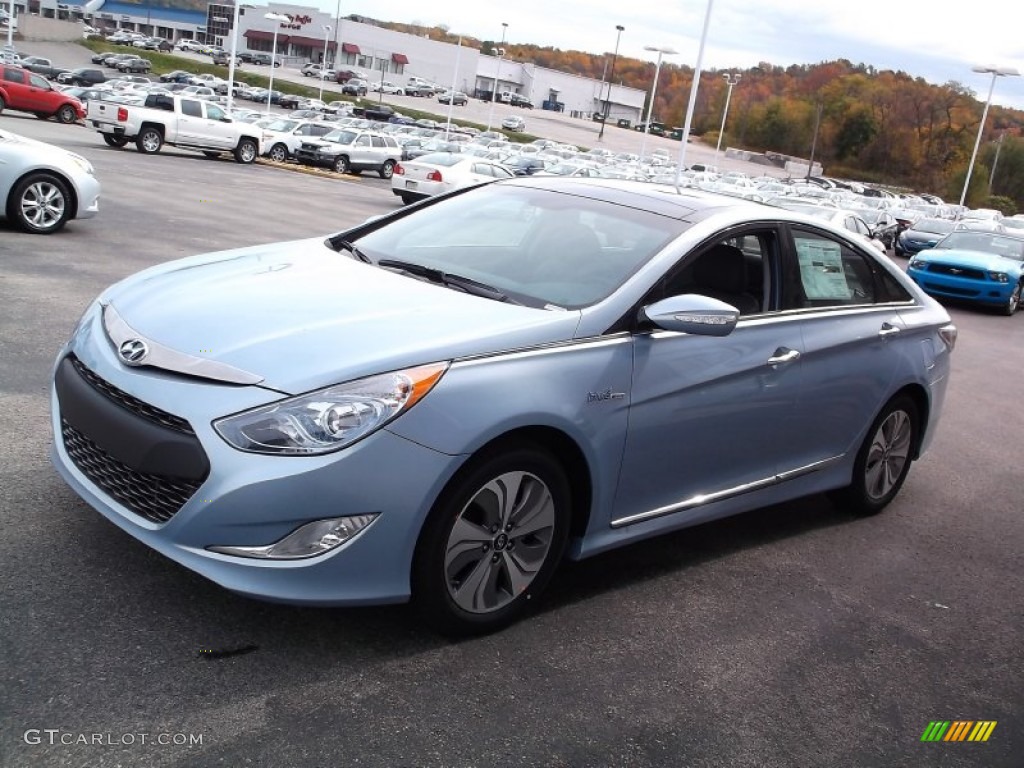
938 40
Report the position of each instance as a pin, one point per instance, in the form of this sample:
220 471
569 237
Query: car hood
301 316
975 259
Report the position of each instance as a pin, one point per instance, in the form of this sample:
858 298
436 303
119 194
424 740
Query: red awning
399 58
259 34
310 42
349 48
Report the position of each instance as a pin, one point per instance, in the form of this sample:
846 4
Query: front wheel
246 151
278 153
211 154
492 541
149 141
67 114
387 170
1013 303
341 164
883 460
40 204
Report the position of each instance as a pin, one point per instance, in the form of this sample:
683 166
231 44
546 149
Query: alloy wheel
499 542
42 205
888 454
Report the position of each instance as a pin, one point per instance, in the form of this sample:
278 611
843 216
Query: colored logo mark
958 730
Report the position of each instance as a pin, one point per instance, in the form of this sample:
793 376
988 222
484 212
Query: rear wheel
40 204
1013 303
278 153
67 114
408 199
149 141
883 460
114 141
246 151
492 541
387 170
42 115
3 104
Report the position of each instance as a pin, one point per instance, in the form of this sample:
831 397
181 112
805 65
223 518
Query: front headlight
82 163
329 419
916 263
999 277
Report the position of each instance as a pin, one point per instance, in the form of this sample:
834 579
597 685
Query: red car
26 91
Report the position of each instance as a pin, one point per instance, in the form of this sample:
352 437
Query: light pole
611 79
323 62
995 161
654 90
10 26
497 73
451 93
995 72
278 17
693 95
730 80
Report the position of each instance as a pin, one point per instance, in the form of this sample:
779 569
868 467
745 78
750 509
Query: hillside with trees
875 125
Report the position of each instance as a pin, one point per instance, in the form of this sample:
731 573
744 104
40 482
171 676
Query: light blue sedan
443 403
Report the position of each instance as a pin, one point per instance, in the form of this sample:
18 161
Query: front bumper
241 499
983 290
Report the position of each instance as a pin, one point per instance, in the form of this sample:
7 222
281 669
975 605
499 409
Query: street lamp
611 79
654 90
693 95
497 72
323 61
273 53
451 93
995 72
10 27
730 80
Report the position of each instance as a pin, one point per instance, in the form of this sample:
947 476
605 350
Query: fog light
310 540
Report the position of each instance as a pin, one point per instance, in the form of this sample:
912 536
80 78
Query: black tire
387 170
408 199
341 164
246 151
149 141
114 141
883 460
40 204
66 115
278 153
1013 303
534 489
211 154
3 104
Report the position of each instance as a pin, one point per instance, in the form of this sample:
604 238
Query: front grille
965 272
154 497
128 402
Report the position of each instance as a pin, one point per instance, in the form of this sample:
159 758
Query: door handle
783 356
888 330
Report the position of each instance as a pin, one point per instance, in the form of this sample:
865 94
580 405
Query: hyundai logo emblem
133 351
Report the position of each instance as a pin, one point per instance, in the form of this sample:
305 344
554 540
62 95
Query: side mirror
694 314
226 119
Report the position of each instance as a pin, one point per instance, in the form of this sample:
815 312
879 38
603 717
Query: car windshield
283 126
341 137
986 242
542 248
935 226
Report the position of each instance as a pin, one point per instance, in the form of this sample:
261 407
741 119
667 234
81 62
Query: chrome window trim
707 498
165 358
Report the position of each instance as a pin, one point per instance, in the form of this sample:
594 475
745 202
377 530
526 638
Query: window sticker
821 269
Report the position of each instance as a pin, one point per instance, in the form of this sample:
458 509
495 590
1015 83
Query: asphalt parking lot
789 636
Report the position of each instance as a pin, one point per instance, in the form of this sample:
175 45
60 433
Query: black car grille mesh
154 497
130 403
947 269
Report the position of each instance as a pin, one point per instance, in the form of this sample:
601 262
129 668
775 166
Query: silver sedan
43 186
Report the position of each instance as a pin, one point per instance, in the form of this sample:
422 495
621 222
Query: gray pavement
789 636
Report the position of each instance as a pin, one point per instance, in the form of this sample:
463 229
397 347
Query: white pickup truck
180 121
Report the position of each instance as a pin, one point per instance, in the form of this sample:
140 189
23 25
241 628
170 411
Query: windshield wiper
351 248
467 284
